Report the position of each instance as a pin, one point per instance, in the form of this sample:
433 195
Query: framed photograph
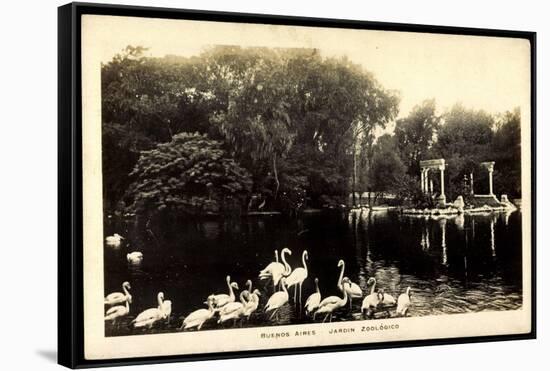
236 185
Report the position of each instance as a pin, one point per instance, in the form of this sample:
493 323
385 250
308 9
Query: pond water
453 265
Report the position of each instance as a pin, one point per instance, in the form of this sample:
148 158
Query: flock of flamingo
283 278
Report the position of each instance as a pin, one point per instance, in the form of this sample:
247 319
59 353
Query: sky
480 72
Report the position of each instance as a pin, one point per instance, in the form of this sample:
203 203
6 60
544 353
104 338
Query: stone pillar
426 179
491 181
442 169
422 180
431 187
472 182
489 165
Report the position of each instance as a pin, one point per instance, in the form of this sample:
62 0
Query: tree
416 134
463 141
506 152
387 170
190 174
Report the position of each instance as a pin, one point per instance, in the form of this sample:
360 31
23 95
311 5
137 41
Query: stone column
491 181
422 180
472 182
442 169
426 179
431 187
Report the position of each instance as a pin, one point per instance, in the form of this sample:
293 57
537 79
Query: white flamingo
353 290
248 291
117 311
371 302
297 277
135 257
403 302
252 304
119 297
277 271
313 301
223 299
266 272
148 317
388 300
277 300
332 303
341 265
233 310
197 318
114 240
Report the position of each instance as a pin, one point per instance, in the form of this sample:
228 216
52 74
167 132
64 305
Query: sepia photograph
266 186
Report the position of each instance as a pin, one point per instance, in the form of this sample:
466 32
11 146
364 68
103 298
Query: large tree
416 134
464 141
506 152
190 174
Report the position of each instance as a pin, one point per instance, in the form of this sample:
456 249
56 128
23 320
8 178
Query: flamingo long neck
241 296
341 274
231 293
408 291
159 299
304 260
317 287
373 286
125 290
284 287
287 266
276 256
250 287
127 306
344 299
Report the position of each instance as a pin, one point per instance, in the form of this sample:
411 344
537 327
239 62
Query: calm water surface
453 265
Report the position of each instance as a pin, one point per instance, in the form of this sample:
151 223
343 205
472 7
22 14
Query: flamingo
272 266
341 265
200 316
277 300
277 271
371 302
223 299
119 297
332 303
388 299
403 303
135 257
353 290
313 301
252 304
148 317
114 240
248 291
297 277
233 310
117 311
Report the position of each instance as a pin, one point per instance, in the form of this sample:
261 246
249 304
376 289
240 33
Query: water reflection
453 265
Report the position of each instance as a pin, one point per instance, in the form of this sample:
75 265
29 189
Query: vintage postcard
262 186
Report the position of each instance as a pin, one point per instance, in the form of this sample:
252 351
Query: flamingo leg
300 295
272 314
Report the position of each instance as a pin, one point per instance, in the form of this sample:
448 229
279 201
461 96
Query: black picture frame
70 198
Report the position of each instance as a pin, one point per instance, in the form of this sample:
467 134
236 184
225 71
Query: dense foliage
192 174
279 128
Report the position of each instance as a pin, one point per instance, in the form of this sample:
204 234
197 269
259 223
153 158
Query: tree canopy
288 121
